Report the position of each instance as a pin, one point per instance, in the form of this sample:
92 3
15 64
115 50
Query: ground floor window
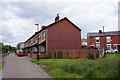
114 46
26 50
34 49
41 48
108 46
97 45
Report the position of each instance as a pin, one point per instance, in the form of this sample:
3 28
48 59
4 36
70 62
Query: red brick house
112 40
60 35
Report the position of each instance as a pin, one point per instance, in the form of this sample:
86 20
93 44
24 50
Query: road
21 67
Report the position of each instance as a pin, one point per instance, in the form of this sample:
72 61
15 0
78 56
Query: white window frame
43 34
34 49
107 46
115 45
97 45
97 38
41 48
108 38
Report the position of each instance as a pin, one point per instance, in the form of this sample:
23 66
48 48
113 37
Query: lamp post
104 39
38 36
37 27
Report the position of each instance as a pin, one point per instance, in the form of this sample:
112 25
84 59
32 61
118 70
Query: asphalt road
21 67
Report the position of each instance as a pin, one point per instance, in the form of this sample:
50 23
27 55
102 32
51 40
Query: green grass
82 68
113 56
1 65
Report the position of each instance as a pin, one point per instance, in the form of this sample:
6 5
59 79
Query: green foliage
67 54
82 68
49 55
18 46
5 48
1 64
60 55
55 55
90 56
97 55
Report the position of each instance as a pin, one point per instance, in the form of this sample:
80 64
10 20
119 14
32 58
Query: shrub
97 55
67 54
90 56
60 55
48 55
55 55
90 73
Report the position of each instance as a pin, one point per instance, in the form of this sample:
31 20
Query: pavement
21 67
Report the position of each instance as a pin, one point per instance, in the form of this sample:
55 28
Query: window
33 39
92 46
41 48
43 34
108 39
34 49
108 46
97 45
97 40
114 46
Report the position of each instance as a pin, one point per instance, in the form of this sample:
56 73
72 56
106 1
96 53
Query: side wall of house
64 36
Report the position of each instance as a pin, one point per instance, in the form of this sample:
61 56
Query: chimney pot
42 27
57 18
100 31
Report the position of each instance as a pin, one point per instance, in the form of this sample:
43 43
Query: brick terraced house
112 40
60 35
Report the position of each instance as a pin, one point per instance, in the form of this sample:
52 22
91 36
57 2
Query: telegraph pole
104 39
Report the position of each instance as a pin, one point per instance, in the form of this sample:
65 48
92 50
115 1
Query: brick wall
83 53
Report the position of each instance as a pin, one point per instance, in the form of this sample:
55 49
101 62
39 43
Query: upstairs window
43 34
97 40
108 39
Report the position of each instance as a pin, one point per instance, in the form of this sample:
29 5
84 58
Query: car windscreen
21 51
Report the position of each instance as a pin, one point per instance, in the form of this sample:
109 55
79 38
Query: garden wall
83 53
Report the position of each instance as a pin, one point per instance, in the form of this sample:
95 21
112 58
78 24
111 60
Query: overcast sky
18 18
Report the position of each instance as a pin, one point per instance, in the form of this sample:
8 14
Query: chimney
57 18
42 27
35 33
100 31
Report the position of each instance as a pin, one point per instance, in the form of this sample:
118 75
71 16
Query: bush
97 55
48 55
60 55
67 54
90 56
55 55
90 73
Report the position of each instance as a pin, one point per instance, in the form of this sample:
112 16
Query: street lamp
38 36
104 39
37 27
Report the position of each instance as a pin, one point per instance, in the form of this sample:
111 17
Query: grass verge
1 64
82 68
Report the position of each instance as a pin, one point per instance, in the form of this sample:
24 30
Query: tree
18 46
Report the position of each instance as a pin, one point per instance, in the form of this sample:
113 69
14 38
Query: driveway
21 67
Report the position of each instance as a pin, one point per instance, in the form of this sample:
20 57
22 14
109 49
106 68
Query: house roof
65 18
111 33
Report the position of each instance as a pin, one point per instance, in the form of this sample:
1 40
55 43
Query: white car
112 51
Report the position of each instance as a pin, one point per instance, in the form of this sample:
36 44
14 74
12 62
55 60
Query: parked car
112 51
20 53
